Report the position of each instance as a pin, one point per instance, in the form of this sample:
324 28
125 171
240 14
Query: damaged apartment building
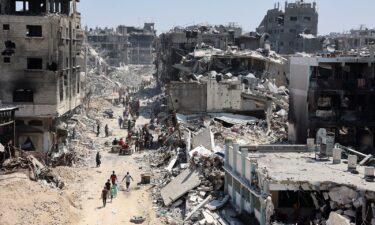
140 43
293 29
110 44
290 184
336 92
42 66
172 46
125 45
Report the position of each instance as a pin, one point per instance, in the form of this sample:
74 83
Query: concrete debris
337 219
179 186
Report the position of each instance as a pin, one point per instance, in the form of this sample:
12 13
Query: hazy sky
334 15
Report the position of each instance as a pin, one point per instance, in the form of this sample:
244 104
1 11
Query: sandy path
127 204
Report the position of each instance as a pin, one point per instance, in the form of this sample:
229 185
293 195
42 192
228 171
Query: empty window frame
6 27
34 63
293 18
23 95
22 6
307 18
6 59
34 31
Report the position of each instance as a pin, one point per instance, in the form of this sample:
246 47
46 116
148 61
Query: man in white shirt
127 179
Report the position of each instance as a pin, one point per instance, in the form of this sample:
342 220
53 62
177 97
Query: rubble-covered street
107 120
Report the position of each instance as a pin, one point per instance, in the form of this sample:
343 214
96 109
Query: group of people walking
111 188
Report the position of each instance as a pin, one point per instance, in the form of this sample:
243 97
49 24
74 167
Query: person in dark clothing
106 130
104 195
98 161
98 130
129 125
108 186
115 142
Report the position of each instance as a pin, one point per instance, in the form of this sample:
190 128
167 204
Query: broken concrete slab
179 186
336 219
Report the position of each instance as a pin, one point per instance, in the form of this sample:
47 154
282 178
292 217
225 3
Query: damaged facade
172 46
293 29
124 45
287 184
42 66
140 43
335 93
110 44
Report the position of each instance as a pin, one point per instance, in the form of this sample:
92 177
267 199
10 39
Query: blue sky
334 15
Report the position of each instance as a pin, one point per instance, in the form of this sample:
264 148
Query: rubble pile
208 62
36 167
182 186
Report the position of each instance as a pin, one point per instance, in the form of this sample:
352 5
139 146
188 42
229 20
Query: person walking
120 120
114 190
98 159
127 179
113 178
106 130
108 186
97 130
104 195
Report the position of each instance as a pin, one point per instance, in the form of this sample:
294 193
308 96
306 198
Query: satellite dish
331 48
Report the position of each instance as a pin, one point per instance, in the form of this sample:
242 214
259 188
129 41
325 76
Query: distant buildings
140 48
125 45
41 66
293 29
354 39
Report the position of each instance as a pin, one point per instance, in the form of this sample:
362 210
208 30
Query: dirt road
127 204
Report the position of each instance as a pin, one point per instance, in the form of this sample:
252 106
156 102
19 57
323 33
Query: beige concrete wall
223 96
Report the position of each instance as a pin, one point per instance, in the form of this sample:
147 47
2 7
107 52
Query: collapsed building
172 46
213 80
334 92
293 29
42 66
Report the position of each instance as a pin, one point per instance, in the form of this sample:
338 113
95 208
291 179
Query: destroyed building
354 39
110 44
288 184
334 92
140 43
41 67
125 45
213 80
170 47
293 29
